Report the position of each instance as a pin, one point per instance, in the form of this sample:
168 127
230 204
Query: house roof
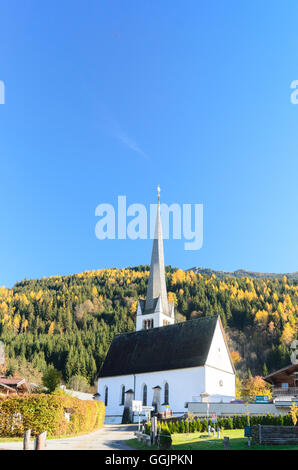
12 381
169 347
14 384
283 374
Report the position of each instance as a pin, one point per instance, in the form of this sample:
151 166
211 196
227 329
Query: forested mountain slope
70 321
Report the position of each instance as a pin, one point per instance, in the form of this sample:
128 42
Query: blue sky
108 98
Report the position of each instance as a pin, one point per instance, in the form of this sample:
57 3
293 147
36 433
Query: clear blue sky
110 97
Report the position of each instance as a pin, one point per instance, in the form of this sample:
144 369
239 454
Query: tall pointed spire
157 283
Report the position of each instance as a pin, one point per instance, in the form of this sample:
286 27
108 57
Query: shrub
199 425
40 412
78 383
182 426
51 378
165 439
230 423
148 428
205 425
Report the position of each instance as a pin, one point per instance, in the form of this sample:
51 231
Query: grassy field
193 441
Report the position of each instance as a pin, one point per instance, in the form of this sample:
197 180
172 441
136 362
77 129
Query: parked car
237 401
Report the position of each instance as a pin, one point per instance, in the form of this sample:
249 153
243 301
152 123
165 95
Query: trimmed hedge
40 412
232 422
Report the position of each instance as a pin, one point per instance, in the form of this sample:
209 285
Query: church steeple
156 310
157 282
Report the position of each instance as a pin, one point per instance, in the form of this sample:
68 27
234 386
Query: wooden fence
274 434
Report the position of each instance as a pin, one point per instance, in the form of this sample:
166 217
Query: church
166 364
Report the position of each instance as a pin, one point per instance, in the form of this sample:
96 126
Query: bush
205 425
230 423
237 422
148 428
51 379
40 412
79 384
165 439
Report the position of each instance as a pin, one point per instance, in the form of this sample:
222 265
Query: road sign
247 431
136 406
147 408
262 399
213 418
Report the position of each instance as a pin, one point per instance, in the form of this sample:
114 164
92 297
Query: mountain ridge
238 273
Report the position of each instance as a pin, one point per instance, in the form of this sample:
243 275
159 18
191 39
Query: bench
143 438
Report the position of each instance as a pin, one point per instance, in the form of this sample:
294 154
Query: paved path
111 437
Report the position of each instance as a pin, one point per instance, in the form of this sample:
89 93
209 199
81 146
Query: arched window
122 394
166 397
106 395
145 395
147 324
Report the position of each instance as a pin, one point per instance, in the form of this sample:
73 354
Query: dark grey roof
169 347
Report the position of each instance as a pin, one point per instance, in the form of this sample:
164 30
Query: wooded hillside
70 321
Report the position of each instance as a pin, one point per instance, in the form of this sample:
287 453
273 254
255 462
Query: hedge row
40 412
234 422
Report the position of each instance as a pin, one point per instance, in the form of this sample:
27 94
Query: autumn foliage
70 321
47 413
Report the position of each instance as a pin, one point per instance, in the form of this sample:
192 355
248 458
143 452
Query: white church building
163 363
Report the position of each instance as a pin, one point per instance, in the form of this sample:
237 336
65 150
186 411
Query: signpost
262 399
247 433
213 418
147 410
136 406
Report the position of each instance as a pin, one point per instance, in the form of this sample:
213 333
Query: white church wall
218 355
157 317
220 377
220 385
184 385
114 384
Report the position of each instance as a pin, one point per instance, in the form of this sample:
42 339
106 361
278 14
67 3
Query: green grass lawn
193 441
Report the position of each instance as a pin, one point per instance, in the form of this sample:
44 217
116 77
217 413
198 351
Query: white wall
183 385
230 409
218 355
220 377
158 319
220 385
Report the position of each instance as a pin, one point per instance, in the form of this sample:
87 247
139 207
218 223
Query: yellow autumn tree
261 317
134 306
51 328
94 292
255 386
178 277
172 298
287 334
236 358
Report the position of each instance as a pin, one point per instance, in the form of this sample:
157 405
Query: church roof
169 347
157 282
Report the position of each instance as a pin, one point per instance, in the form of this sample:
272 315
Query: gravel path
111 437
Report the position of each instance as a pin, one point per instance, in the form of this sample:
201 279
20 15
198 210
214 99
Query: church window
122 394
166 397
106 396
145 395
148 324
